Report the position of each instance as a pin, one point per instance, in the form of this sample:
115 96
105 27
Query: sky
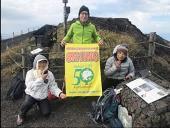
21 16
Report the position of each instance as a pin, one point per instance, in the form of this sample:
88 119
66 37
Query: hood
39 58
120 46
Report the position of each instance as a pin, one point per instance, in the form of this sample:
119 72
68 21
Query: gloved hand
117 64
101 42
63 42
128 77
38 73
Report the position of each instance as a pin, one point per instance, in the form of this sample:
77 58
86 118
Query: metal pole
23 63
65 18
21 32
12 37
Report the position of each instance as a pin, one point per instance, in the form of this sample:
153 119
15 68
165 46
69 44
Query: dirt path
72 112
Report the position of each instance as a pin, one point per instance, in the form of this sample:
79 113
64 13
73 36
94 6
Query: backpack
105 110
17 87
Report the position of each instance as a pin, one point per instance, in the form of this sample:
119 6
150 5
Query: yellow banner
82 70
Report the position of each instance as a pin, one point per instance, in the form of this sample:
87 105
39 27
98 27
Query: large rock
155 114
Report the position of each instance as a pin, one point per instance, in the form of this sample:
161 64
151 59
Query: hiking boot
19 120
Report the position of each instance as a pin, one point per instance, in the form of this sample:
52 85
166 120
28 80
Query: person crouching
39 80
118 68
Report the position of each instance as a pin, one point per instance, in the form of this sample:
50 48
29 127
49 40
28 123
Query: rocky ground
155 114
71 112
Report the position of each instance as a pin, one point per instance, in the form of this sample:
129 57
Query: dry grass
112 39
14 51
8 66
8 72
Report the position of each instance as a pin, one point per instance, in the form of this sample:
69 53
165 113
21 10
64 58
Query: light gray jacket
126 68
36 87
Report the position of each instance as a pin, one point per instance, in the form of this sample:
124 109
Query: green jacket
82 34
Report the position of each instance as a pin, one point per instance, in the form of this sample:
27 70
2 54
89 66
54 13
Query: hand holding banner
82 70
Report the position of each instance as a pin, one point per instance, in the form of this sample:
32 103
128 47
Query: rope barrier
56 52
137 57
57 67
13 51
158 75
19 65
141 43
117 44
162 45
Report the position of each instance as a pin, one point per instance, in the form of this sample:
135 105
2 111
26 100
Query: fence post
151 49
152 39
115 28
23 63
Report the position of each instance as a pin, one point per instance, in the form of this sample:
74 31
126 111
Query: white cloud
151 16
147 15
157 7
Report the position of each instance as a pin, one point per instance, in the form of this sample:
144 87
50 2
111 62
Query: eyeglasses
84 13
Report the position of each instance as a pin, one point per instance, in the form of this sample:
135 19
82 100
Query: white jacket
36 87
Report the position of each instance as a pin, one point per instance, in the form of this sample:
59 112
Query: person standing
82 31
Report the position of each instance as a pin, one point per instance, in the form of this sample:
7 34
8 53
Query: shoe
19 120
117 91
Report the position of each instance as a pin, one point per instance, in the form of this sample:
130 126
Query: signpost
147 89
66 13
